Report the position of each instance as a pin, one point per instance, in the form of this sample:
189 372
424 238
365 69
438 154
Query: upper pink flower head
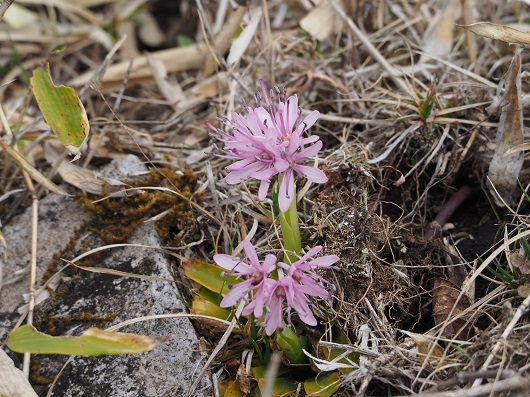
268 141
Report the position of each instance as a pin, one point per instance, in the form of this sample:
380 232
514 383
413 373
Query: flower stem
290 229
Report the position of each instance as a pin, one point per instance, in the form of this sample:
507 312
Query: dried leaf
505 167
427 347
321 21
13 383
82 178
240 45
438 38
18 17
223 40
498 32
444 298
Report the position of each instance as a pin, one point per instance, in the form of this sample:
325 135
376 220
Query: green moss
56 325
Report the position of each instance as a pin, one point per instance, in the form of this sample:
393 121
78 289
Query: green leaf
292 346
62 109
94 342
322 386
32 171
209 276
282 387
207 308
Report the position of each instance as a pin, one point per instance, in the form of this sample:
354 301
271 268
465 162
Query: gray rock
168 370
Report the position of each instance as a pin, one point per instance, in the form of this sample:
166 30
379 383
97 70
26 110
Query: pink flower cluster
296 283
269 141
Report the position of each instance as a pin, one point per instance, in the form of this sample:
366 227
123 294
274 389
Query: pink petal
264 118
269 262
251 253
324 261
238 292
309 121
309 151
231 263
263 189
238 165
280 164
311 173
273 320
292 112
312 252
266 174
307 317
264 90
286 191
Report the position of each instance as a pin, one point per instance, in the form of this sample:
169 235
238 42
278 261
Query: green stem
290 230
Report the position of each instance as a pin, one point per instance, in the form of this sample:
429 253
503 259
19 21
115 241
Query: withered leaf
506 165
498 32
444 298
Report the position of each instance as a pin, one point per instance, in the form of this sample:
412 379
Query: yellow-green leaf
209 276
283 387
207 308
62 109
322 386
94 342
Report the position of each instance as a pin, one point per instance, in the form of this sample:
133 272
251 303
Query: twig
446 211
219 57
464 377
98 74
4 6
523 307
515 383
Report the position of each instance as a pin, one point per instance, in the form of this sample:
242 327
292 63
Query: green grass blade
94 342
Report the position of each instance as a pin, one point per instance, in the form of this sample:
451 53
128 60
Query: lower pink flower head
292 289
295 288
269 141
256 276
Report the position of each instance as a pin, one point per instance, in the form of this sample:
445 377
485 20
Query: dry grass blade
391 70
103 270
4 7
523 307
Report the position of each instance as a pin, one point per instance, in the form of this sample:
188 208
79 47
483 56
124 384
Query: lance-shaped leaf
322 386
62 109
505 166
209 276
498 32
94 342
